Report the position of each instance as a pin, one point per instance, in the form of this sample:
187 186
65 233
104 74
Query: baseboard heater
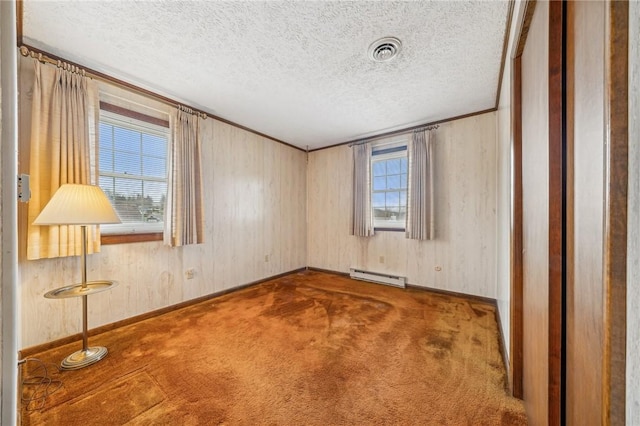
376 277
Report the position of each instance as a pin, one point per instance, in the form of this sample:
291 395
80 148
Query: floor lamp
84 205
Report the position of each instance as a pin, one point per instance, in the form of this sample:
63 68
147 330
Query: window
132 163
389 187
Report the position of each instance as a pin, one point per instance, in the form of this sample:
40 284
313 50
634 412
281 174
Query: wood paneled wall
465 222
535 182
255 214
633 264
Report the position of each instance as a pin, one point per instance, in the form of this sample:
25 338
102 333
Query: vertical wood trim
556 211
570 316
516 339
517 261
616 182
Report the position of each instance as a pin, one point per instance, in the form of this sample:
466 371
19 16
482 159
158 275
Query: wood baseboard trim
27 352
328 271
469 297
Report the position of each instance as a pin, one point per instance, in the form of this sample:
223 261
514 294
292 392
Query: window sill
130 238
389 229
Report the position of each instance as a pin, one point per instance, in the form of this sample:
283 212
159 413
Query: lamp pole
85 338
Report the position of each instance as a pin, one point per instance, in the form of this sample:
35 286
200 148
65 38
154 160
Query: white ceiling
297 71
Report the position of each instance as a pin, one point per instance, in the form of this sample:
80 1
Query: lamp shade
75 204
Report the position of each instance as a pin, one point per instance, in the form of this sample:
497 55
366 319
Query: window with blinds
132 163
389 187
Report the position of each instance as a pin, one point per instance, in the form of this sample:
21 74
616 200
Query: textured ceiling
297 70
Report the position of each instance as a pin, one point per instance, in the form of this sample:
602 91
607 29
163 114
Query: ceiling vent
385 49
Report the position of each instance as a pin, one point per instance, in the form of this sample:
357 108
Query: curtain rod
27 51
43 56
391 134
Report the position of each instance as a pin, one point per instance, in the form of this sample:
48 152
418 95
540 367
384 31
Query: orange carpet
307 349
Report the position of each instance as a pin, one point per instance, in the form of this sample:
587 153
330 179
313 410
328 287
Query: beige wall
255 195
465 196
633 261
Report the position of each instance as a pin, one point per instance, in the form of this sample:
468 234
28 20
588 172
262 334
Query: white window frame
111 118
389 225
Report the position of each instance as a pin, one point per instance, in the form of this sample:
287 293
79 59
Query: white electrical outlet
189 273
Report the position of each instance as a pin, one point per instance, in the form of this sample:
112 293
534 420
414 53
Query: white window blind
132 161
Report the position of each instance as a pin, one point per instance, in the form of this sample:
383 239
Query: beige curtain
63 130
420 200
362 215
184 216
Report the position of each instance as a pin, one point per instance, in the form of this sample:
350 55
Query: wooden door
570 148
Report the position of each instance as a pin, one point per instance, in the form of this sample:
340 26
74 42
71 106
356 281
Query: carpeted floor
307 349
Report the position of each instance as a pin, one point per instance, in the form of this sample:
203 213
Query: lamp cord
38 386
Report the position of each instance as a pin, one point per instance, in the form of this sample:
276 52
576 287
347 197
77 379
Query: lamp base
83 358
